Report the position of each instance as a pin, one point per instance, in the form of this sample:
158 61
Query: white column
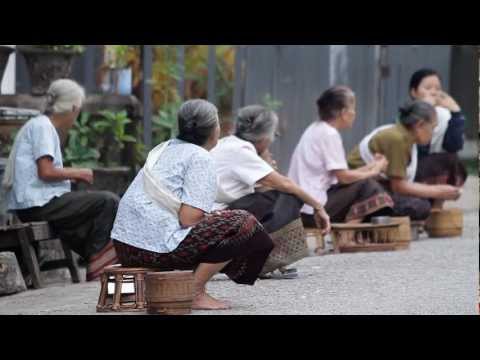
8 84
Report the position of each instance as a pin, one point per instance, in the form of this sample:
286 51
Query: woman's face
71 117
423 131
349 114
429 90
263 145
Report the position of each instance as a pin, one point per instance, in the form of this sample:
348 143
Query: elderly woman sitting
38 186
165 220
241 169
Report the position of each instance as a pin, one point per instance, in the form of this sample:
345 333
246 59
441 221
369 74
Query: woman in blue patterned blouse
38 186
165 220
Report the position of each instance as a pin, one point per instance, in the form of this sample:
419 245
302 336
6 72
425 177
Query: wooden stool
352 238
26 238
119 302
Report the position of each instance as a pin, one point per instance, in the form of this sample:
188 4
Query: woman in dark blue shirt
438 161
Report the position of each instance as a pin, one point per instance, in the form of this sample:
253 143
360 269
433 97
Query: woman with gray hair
399 144
165 219
242 170
39 187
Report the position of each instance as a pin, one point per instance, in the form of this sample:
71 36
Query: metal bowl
381 220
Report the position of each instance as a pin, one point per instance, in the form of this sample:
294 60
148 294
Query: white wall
8 84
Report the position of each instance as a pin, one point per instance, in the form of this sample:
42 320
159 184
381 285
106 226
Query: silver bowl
381 220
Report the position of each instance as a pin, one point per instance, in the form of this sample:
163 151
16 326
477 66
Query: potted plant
47 63
117 76
96 142
5 52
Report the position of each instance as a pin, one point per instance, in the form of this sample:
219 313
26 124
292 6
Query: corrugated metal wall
294 75
297 75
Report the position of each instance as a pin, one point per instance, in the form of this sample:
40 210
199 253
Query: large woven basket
445 223
169 293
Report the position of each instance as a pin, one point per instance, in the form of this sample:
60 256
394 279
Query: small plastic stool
118 302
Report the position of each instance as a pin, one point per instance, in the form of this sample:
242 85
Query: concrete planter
46 66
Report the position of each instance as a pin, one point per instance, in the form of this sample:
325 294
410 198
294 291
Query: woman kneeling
319 165
399 144
165 221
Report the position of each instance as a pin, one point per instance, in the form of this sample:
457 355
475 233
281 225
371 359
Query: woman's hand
267 156
322 220
381 163
85 175
448 192
446 101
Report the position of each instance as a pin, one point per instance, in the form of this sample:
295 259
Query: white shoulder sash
444 116
154 188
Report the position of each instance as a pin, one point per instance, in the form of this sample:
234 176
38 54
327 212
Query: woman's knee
368 185
110 199
417 209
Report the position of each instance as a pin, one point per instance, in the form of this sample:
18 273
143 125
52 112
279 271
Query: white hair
63 95
255 123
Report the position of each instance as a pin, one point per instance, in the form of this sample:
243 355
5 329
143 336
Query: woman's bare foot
203 301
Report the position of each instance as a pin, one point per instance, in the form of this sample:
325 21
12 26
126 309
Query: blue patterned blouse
188 171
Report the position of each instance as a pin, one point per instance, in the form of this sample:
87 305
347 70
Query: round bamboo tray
169 293
445 223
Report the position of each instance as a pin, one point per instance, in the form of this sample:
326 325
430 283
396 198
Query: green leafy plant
115 123
111 128
96 139
119 56
165 124
79 152
140 149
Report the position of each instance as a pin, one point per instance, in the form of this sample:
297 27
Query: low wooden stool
352 238
119 302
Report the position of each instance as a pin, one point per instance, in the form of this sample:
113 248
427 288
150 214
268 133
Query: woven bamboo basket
445 223
169 293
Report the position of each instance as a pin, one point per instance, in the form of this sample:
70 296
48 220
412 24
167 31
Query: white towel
154 188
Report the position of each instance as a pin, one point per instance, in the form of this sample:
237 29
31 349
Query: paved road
434 277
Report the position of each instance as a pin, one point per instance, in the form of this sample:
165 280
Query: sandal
282 274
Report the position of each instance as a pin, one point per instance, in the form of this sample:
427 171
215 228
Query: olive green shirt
395 144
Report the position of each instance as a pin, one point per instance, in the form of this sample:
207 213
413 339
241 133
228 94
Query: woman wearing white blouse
241 170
